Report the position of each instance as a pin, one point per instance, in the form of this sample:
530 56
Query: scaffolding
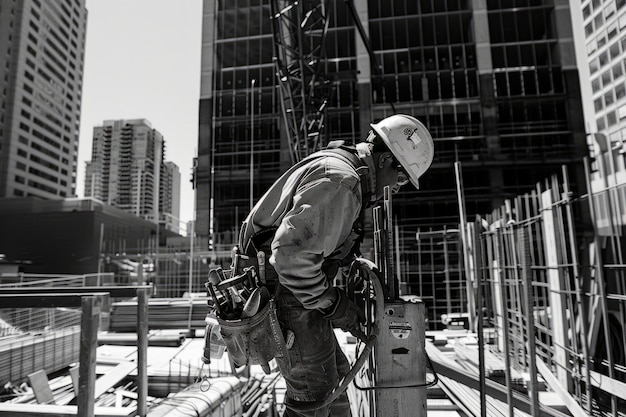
551 290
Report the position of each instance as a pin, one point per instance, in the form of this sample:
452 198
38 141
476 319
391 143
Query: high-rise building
495 81
604 51
42 46
125 170
605 36
169 199
605 54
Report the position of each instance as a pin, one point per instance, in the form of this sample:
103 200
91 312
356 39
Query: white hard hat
409 141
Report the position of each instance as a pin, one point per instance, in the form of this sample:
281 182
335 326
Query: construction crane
300 29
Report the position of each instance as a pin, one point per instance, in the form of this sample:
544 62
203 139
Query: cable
432 383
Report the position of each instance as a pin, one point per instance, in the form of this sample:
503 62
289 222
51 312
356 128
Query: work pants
315 362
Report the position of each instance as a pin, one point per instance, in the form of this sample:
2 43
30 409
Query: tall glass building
42 53
495 81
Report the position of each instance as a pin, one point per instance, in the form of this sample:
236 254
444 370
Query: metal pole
142 351
599 277
390 276
498 239
252 144
578 287
192 232
88 344
528 299
478 291
464 241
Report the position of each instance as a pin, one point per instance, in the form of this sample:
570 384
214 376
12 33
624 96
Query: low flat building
72 236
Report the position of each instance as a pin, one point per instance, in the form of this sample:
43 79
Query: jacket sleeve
319 222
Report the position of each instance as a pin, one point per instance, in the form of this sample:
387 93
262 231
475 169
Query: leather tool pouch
254 340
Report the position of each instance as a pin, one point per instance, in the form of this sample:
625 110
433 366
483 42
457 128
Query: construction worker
309 223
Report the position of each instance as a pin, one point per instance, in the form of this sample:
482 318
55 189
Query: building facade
126 167
605 36
41 235
604 45
42 50
495 81
169 197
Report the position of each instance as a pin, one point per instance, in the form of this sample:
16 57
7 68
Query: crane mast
299 29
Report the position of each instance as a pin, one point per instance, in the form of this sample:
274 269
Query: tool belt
245 307
254 340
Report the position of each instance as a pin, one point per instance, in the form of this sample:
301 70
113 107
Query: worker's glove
345 314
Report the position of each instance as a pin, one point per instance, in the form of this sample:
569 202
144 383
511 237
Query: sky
142 61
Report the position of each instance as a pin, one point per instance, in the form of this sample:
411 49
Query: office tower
605 32
605 47
169 199
126 165
495 81
42 47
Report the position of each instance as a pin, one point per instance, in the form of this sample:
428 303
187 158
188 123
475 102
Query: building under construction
512 247
496 85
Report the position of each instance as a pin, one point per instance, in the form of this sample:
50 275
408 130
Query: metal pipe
252 144
142 352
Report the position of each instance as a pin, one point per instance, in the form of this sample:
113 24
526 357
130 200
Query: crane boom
299 29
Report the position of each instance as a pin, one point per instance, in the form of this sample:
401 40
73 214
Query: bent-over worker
310 221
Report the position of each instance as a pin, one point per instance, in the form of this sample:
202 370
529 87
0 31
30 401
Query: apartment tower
495 81
169 198
605 35
42 46
126 166
605 47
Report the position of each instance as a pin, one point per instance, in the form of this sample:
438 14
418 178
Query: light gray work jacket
313 207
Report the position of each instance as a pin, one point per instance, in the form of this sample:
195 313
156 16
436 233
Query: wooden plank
112 377
74 375
88 346
556 285
117 291
556 386
608 384
39 383
42 300
448 368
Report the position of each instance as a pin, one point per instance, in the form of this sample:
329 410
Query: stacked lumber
466 351
51 351
170 369
468 400
163 313
113 390
258 397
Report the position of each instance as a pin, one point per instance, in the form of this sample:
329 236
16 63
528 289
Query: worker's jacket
314 209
